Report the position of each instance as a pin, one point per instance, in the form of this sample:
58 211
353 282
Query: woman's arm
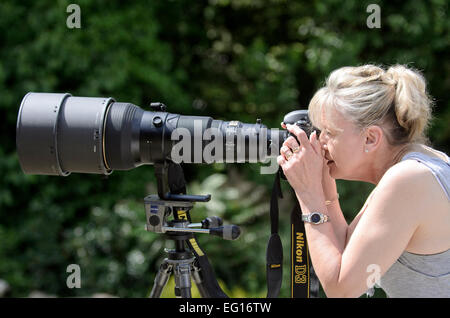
334 211
336 218
382 234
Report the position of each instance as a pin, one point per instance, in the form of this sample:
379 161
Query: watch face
315 218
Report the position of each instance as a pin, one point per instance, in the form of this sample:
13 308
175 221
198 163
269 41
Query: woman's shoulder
412 177
425 196
413 169
427 168
416 181
406 171
423 151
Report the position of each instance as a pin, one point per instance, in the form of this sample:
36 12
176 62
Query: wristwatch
315 218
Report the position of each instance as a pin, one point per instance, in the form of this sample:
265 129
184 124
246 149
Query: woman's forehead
332 119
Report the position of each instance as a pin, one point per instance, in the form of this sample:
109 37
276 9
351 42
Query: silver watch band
312 218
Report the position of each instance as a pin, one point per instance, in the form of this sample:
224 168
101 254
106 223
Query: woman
372 124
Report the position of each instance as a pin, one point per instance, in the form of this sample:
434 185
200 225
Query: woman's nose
322 141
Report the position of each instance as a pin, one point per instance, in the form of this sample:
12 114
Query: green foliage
228 59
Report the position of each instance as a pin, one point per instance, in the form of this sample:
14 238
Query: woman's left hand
302 164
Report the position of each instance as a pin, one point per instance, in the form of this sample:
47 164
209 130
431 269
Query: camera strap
209 278
274 252
304 282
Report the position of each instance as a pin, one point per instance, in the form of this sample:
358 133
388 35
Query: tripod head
158 211
172 200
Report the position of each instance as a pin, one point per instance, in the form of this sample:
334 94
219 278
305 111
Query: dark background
228 59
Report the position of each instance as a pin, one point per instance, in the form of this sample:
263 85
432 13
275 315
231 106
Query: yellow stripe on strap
196 247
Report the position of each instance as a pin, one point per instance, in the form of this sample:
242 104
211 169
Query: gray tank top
414 275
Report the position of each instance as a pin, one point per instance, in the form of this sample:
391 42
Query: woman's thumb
315 142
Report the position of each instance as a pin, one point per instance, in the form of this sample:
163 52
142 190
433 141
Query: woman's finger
286 152
300 134
292 143
315 142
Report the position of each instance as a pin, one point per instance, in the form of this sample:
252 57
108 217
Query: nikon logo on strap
300 271
302 274
299 244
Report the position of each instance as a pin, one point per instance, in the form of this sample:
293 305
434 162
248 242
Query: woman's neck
390 157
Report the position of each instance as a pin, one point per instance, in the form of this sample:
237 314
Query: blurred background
228 59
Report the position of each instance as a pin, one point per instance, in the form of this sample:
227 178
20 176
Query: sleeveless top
416 275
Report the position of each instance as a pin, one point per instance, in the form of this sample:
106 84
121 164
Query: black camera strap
274 252
304 282
209 278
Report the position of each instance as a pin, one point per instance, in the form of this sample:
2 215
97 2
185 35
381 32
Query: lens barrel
57 134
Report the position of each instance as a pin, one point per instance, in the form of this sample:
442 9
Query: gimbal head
171 199
158 211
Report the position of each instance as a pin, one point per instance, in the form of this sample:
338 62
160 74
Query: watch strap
307 218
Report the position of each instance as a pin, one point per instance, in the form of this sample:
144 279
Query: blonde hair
394 99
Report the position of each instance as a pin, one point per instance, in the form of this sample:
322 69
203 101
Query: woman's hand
303 165
328 182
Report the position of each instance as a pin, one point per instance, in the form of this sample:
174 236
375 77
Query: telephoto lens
57 134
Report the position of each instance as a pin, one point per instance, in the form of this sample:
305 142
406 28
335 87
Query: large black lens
58 134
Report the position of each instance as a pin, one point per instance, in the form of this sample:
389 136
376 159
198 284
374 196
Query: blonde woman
372 123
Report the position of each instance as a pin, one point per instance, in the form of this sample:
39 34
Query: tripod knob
211 222
227 232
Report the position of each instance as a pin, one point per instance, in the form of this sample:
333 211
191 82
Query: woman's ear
373 137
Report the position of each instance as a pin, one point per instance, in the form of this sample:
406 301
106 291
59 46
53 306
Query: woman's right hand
328 182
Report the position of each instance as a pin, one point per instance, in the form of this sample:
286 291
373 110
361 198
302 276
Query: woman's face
344 146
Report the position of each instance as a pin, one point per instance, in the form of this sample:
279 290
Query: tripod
183 263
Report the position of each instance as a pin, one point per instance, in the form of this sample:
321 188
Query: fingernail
314 136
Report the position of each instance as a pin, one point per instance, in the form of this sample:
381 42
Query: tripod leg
161 279
183 280
198 280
